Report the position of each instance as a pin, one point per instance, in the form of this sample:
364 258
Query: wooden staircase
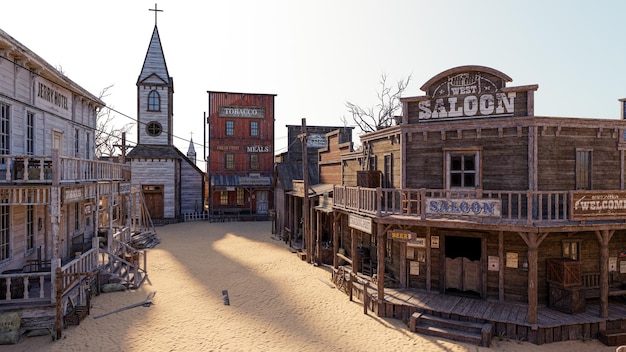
124 268
462 331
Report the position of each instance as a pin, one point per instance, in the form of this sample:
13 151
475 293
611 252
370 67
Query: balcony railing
20 169
518 207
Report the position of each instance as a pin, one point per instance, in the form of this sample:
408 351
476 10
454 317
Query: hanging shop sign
71 195
587 205
464 207
360 223
401 235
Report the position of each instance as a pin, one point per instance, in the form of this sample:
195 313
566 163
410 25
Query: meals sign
591 205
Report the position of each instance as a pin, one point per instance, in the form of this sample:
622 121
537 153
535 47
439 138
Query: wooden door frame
443 235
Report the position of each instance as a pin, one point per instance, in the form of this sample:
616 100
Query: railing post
378 200
529 207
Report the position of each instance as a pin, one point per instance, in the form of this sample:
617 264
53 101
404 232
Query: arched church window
154 101
154 129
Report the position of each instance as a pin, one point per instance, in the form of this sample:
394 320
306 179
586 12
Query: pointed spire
191 152
154 63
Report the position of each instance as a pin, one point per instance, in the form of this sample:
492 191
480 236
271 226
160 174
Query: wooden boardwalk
508 318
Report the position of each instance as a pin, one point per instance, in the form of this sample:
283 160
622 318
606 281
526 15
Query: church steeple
155 92
191 152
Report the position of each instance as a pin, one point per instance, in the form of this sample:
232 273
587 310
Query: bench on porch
591 285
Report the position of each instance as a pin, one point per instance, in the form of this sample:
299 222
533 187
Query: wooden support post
365 298
353 250
336 219
533 240
604 237
380 269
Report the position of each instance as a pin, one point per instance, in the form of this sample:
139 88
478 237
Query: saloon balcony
489 210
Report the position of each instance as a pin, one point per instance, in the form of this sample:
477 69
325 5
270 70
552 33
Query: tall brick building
241 153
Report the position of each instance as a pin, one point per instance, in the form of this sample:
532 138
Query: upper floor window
254 161
153 129
76 142
388 171
30 133
154 101
5 145
462 168
230 128
30 227
583 168
230 161
87 146
254 128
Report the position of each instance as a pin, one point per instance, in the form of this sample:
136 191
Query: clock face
154 128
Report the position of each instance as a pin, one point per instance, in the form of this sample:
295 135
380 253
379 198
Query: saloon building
241 149
483 212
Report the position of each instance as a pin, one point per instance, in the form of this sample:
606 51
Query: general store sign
360 223
598 205
254 112
464 207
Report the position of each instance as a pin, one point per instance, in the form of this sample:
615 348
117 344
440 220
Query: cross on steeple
156 10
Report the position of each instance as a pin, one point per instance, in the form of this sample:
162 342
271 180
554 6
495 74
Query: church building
171 182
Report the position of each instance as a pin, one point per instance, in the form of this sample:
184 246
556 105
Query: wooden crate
567 299
564 272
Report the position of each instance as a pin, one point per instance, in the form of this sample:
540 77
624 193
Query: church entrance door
153 195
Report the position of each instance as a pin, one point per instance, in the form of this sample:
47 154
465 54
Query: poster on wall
421 255
434 242
612 263
494 263
512 260
414 268
622 267
410 252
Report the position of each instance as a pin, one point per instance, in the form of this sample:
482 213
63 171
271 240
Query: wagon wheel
340 279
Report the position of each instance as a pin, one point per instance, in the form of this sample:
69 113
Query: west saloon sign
464 207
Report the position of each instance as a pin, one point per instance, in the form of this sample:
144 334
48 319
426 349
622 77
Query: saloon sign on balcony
464 207
590 205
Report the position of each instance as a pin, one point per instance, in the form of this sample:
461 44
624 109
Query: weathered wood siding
329 158
557 157
191 196
161 116
158 172
502 150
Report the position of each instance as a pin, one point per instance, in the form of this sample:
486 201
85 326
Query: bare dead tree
385 112
108 136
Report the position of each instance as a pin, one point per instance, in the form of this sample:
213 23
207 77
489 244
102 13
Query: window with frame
30 133
583 168
254 128
5 233
30 227
230 128
230 161
76 141
571 249
224 198
388 171
240 196
154 101
154 129
87 143
462 169
254 161
5 145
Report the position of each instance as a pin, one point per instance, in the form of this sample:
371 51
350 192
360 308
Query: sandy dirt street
277 303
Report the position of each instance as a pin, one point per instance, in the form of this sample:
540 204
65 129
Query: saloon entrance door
463 269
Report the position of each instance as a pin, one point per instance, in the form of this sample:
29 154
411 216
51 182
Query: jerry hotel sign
471 92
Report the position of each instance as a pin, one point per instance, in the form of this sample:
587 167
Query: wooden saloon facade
472 195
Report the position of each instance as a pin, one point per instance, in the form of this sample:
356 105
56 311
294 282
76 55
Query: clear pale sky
316 55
